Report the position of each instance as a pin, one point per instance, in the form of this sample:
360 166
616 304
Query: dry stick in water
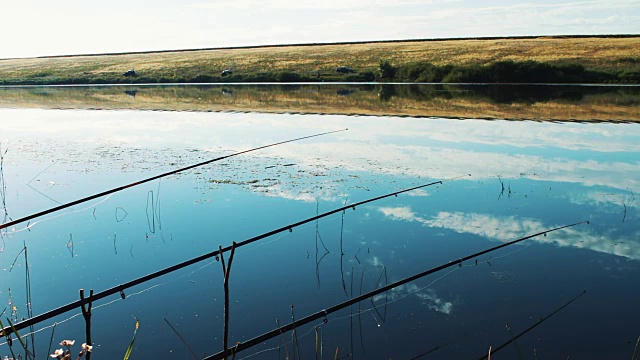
344 285
86 313
294 335
284 341
186 344
29 298
515 343
225 272
323 313
351 317
9 340
53 331
360 313
98 195
119 289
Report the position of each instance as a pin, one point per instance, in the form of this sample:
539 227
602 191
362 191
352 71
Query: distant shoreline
566 59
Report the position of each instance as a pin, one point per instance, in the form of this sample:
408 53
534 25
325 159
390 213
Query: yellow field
596 53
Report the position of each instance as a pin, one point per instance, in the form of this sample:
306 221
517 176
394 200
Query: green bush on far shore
508 71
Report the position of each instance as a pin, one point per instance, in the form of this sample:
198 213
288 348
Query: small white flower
57 353
67 342
86 347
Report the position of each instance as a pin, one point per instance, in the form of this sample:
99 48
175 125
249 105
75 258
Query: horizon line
326 44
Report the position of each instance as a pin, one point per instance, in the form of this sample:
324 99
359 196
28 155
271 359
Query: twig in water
515 343
317 341
53 331
193 354
502 186
9 339
386 294
86 313
323 245
318 261
633 357
28 354
294 335
123 215
351 317
284 342
360 313
70 245
17 256
226 270
344 285
151 223
157 212
27 279
427 352
317 230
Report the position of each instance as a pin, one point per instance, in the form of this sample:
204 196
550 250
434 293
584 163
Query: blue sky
45 27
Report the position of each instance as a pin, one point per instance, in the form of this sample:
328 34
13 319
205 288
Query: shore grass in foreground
597 59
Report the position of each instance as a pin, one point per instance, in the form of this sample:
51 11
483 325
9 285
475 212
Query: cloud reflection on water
509 228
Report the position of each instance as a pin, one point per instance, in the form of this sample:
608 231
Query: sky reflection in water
553 174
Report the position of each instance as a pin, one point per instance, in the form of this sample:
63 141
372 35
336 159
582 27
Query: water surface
526 176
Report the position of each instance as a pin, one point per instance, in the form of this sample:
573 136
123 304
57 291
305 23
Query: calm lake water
526 177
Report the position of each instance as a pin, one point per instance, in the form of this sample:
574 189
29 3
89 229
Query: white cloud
510 228
429 297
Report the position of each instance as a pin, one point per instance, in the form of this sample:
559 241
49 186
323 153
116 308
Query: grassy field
611 55
611 104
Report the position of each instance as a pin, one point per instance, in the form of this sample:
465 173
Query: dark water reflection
530 102
526 177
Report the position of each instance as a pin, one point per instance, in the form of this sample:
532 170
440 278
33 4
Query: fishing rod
323 313
119 289
172 172
513 338
542 319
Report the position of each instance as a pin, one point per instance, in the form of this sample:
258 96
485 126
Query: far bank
583 59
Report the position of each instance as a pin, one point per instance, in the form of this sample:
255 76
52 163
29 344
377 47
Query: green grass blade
130 348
